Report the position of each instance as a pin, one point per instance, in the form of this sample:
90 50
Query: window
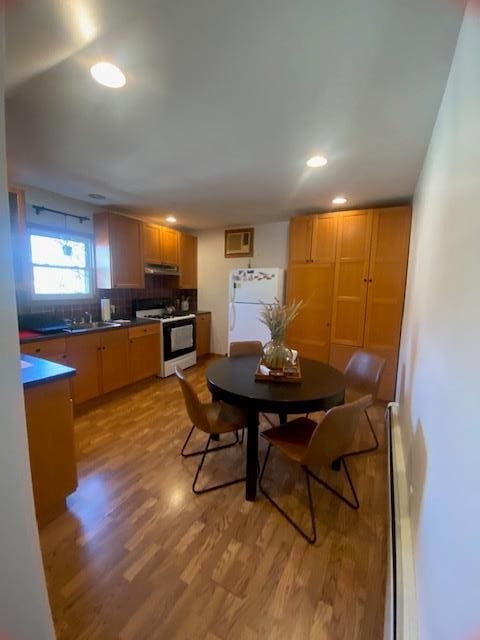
61 265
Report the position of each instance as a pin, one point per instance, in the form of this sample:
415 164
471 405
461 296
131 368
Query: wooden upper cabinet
151 244
351 277
324 238
118 251
169 245
386 277
188 261
300 239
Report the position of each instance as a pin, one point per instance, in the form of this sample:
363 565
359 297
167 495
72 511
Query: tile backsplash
155 287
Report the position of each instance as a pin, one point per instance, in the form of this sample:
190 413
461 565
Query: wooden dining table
232 380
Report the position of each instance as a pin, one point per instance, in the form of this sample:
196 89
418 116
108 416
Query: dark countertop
31 336
201 313
39 371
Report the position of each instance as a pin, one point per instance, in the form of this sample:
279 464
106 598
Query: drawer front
44 348
144 330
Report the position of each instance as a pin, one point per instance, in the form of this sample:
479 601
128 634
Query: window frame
75 236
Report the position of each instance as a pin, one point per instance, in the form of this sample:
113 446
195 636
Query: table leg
283 417
252 455
215 436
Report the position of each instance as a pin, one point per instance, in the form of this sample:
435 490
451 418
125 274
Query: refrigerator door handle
232 316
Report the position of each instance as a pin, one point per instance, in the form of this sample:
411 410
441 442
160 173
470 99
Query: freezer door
244 323
253 286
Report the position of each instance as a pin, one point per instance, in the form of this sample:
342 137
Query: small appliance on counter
177 333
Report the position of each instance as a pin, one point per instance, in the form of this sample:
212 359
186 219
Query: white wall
270 250
439 368
24 609
61 203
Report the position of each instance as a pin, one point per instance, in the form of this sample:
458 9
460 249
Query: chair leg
353 505
201 451
369 449
216 486
309 538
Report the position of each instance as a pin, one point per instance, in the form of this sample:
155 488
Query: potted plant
277 317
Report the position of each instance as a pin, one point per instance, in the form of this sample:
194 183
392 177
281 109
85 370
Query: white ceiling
225 100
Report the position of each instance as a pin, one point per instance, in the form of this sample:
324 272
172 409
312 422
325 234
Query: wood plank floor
138 555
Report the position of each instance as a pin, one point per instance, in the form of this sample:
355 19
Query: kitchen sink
81 327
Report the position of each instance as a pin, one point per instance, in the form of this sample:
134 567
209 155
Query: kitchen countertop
32 336
38 371
200 313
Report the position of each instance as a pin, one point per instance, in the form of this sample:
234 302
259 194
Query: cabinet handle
103 348
37 350
370 279
365 280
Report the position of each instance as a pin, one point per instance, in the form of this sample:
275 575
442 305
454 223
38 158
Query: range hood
162 269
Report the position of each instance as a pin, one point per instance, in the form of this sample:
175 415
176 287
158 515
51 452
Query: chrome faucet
88 317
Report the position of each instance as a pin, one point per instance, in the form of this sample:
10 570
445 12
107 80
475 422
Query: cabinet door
151 244
49 417
169 248
188 261
144 355
115 352
351 276
203 327
309 333
324 238
386 288
300 239
83 353
126 245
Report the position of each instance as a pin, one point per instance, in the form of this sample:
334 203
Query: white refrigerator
248 288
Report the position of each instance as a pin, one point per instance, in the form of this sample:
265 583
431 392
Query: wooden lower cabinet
49 415
83 354
114 359
104 360
144 352
309 333
203 330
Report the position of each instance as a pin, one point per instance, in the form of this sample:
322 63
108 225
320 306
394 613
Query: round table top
233 380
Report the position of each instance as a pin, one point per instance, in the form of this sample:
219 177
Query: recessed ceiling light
339 200
108 74
317 161
96 196
170 219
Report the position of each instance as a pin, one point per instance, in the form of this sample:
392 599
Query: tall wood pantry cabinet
350 269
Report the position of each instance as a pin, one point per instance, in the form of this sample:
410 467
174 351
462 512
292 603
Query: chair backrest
334 432
246 348
364 372
195 409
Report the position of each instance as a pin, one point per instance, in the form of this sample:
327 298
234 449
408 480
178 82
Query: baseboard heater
400 603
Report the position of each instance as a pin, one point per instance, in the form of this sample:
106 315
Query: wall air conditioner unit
238 243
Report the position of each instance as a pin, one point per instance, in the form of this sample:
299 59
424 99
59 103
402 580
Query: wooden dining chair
245 348
213 418
364 374
310 443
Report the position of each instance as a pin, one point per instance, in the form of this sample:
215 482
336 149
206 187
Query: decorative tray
291 374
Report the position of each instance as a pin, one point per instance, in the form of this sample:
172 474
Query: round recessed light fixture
170 219
96 196
339 200
317 161
108 74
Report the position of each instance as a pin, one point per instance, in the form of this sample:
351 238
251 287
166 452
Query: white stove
177 337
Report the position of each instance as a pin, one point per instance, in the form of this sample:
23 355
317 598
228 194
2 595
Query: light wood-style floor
138 555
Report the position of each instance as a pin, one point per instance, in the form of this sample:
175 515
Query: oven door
178 338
